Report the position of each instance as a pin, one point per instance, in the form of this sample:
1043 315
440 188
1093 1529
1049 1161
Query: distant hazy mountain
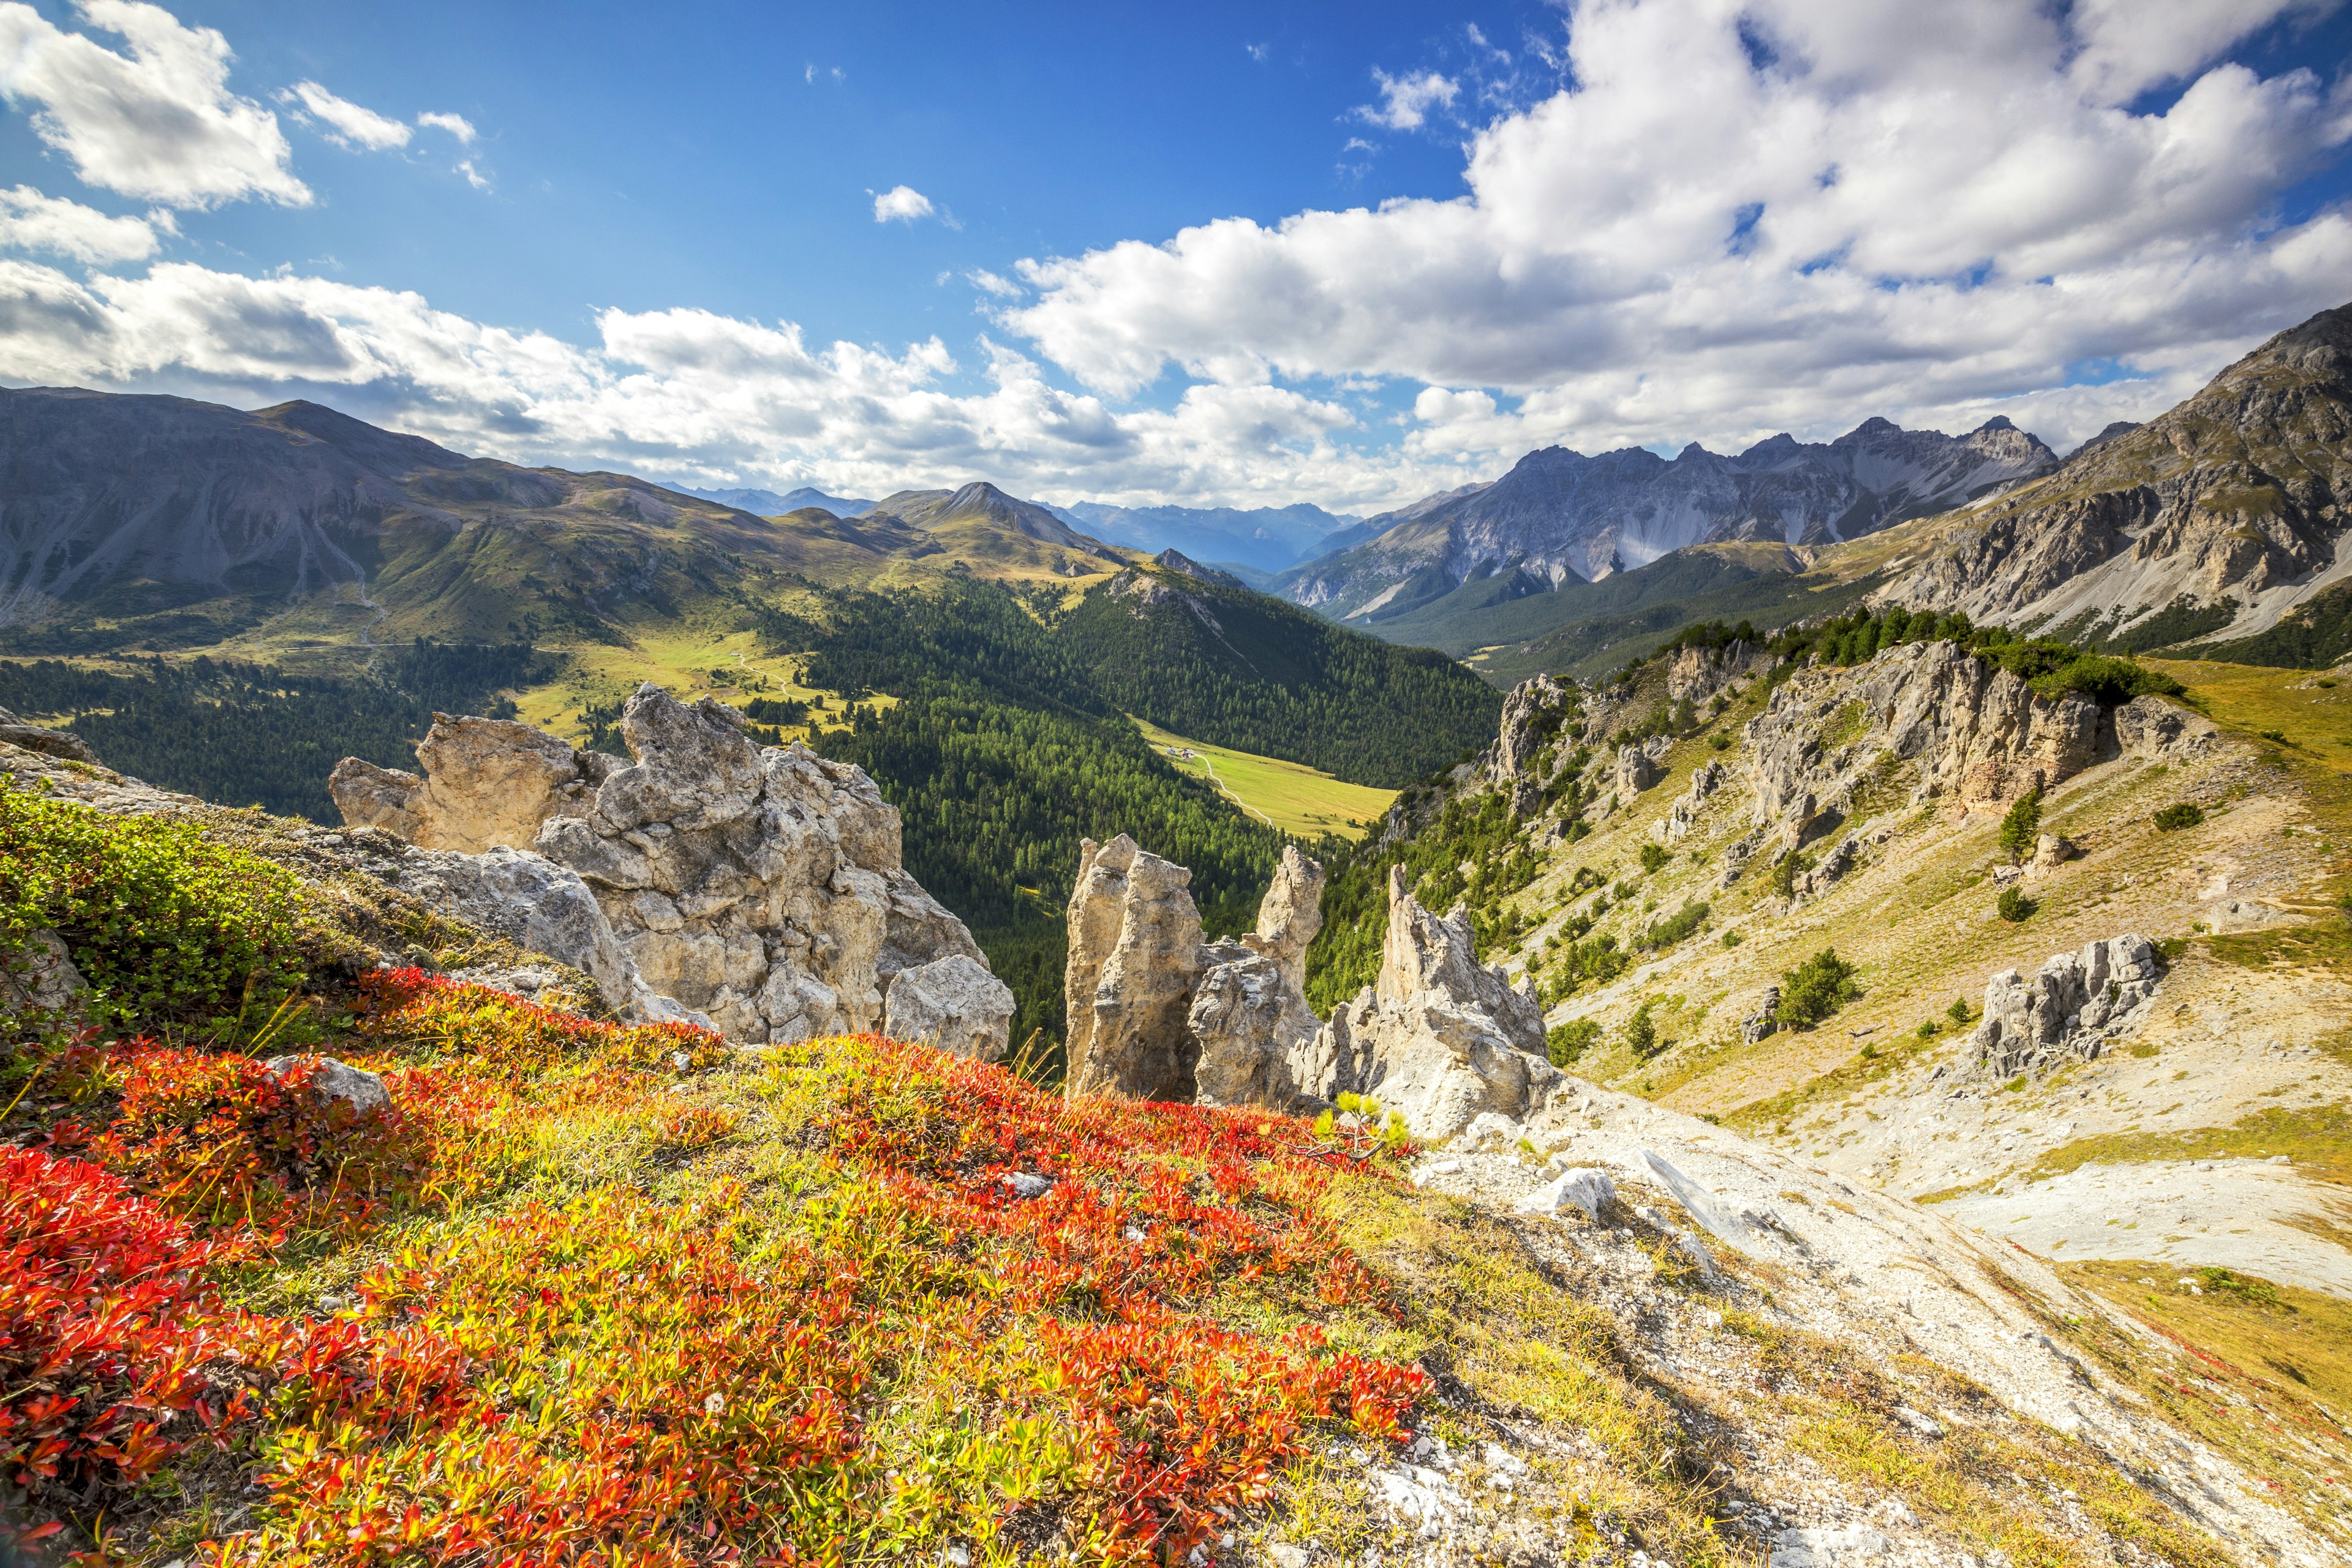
768 503
1559 516
1268 538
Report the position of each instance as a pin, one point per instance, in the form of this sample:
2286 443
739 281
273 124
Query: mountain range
768 503
1265 539
1559 516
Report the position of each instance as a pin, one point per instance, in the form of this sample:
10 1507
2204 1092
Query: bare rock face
1254 1034
59 743
2152 729
1673 828
953 1003
1290 915
486 781
1635 772
1696 674
1975 734
1440 1039
2071 1007
1533 714
532 902
759 889
1134 959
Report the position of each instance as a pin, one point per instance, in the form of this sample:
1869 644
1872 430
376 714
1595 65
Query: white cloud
901 203
350 125
1929 212
474 176
31 221
1002 288
1406 101
1258 52
679 392
159 123
456 125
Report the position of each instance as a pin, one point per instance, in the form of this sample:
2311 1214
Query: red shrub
105 1324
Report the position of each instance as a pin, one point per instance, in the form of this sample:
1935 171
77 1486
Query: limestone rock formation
1290 915
1696 674
1254 1033
49 742
532 902
1677 824
2152 729
1635 772
1761 1024
2077 1002
953 1003
1440 1039
1533 715
760 887
1134 958
1973 733
487 782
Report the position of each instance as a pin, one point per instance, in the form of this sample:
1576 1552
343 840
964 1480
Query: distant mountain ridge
1268 538
768 503
1560 516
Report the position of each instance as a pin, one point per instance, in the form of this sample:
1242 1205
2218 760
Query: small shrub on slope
2173 818
1815 989
2022 827
163 923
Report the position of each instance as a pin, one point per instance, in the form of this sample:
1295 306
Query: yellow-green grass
688 661
2315 720
1290 797
2263 1372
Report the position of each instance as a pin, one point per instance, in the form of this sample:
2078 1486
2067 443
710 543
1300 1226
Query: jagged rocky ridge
1559 516
2227 510
760 886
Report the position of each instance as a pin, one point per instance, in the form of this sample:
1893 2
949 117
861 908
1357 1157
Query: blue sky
1219 254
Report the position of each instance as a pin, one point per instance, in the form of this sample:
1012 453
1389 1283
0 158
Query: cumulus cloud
901 203
1406 101
456 125
159 122
1739 218
32 221
350 125
683 392
1002 288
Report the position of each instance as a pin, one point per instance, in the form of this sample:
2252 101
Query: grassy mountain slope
1222 663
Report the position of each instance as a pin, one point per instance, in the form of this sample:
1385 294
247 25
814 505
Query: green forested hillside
1001 753
1222 663
244 734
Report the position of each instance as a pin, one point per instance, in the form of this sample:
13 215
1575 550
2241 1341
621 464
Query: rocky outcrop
2155 730
1134 959
58 743
1973 733
1255 1034
1534 713
1765 1021
1676 826
1635 772
761 888
532 902
1440 1039
487 782
1694 674
2071 1008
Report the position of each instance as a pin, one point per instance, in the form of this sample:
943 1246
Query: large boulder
2153 729
1251 1024
1134 958
487 782
59 743
1635 772
953 1003
39 976
531 901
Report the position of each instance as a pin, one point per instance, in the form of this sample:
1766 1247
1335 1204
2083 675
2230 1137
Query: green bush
1655 857
2015 905
166 925
1675 927
1720 741
2022 827
1815 989
2187 814
1733 938
1959 1011
1566 1042
1785 874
